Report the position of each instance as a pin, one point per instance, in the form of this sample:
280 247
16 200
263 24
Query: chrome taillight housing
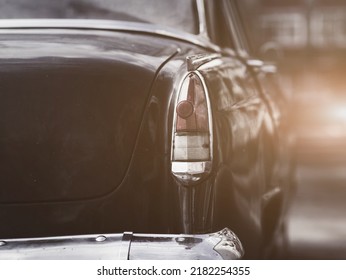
192 138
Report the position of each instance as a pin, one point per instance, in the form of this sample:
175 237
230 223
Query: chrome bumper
127 246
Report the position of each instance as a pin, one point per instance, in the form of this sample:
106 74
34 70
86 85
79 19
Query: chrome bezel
189 172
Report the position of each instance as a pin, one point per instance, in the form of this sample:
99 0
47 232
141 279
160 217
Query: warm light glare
338 112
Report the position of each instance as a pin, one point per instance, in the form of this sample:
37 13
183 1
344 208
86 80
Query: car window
216 24
242 19
235 26
179 14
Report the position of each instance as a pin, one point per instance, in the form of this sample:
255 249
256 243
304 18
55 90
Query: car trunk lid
71 107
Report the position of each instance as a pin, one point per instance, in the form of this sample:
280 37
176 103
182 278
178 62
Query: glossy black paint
86 127
73 120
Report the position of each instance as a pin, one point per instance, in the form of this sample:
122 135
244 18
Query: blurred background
306 39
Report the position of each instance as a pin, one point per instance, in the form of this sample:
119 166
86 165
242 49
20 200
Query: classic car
135 129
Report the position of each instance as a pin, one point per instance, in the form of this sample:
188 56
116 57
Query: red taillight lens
185 109
192 138
192 113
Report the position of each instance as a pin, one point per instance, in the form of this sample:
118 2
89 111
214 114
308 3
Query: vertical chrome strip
124 250
202 18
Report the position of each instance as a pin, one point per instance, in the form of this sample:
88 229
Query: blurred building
309 36
295 24
307 41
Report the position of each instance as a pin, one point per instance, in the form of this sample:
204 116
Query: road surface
317 220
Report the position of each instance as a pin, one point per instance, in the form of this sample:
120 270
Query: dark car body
111 126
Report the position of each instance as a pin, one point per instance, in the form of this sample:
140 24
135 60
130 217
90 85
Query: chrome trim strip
222 245
256 63
202 18
210 246
124 250
195 61
107 25
270 195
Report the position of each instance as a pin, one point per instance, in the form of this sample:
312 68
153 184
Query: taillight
192 131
